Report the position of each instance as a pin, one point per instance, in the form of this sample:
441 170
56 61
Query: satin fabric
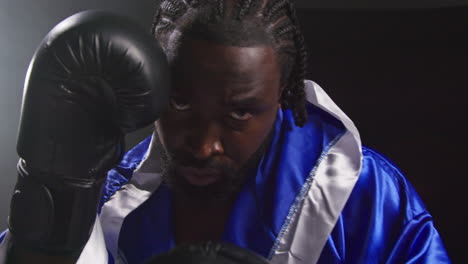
384 220
264 202
325 192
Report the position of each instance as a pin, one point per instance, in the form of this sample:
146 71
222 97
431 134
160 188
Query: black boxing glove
208 253
95 77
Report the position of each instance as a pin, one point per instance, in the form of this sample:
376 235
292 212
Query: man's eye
179 106
240 115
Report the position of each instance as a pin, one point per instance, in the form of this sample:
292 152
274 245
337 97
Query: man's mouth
199 176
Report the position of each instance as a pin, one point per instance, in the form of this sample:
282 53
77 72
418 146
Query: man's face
224 103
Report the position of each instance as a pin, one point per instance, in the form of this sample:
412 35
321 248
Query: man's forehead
235 71
226 91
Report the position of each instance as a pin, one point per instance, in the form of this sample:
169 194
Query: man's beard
219 192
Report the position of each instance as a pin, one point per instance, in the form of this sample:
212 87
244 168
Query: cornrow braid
156 18
174 9
274 20
274 9
244 7
284 29
295 96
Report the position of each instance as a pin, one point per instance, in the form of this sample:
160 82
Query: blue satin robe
383 221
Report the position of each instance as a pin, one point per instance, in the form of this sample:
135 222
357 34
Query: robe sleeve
419 242
385 220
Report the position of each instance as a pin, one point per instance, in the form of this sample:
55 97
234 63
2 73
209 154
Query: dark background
397 68
402 77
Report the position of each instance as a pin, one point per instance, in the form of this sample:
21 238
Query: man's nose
205 141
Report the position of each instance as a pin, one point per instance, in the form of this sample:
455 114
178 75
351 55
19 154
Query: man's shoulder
383 185
123 172
386 217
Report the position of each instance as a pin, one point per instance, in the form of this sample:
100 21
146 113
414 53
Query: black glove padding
95 77
208 253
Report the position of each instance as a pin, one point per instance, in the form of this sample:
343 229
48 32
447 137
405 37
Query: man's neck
196 221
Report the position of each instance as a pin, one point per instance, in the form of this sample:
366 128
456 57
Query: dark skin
233 97
225 101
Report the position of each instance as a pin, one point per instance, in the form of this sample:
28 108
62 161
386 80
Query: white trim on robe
320 201
331 183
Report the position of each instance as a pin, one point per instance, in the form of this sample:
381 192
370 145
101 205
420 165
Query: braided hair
242 23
